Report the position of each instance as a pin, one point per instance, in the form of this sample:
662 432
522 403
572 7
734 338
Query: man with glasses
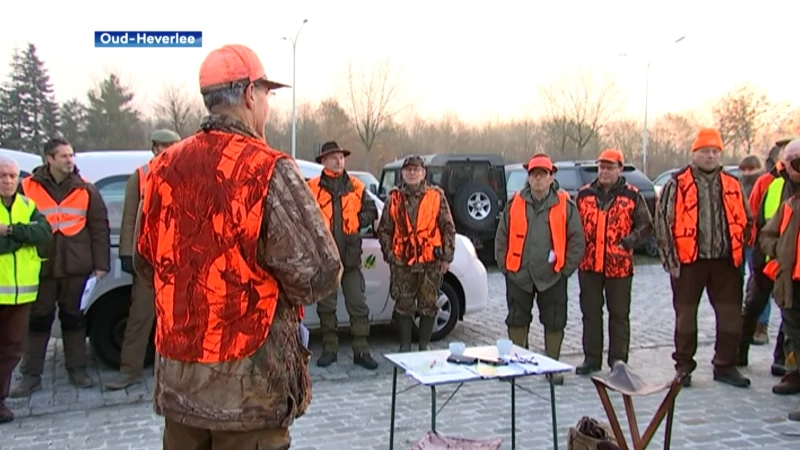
141 314
417 236
769 192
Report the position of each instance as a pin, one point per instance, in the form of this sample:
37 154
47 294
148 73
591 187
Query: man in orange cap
539 244
615 221
236 246
703 224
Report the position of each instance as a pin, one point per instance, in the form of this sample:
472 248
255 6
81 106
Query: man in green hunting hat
141 315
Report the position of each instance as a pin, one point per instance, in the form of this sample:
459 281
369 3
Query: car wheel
447 316
475 207
109 318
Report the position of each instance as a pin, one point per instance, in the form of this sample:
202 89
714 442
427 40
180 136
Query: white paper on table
551 257
88 290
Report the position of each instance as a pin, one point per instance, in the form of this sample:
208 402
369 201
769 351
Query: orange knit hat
708 137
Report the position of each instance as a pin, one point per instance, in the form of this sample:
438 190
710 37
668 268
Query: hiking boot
80 379
761 336
777 369
5 414
327 359
26 387
122 381
794 416
365 360
732 377
789 384
586 368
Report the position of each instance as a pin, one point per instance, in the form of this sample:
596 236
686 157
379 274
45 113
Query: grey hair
225 97
9 161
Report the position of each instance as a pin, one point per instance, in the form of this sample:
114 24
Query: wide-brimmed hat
331 147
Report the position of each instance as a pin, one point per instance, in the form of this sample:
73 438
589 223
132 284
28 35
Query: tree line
578 115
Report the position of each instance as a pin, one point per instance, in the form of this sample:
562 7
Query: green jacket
20 260
536 273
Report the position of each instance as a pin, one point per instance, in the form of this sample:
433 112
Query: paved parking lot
351 405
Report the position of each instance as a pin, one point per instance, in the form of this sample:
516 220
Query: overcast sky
480 60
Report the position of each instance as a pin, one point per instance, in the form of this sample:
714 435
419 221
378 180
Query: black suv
475 186
572 175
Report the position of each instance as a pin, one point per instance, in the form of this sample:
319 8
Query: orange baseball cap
540 161
230 65
707 137
612 155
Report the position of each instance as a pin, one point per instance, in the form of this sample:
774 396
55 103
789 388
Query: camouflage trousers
414 291
353 288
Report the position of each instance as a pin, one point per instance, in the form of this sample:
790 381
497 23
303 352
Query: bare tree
178 110
577 107
374 99
742 115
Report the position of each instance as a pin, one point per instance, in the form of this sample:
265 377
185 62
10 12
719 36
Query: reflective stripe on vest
416 243
687 217
604 230
518 231
214 302
67 217
351 204
19 271
143 170
772 200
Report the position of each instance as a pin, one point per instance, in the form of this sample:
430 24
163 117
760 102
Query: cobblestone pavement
354 414
651 329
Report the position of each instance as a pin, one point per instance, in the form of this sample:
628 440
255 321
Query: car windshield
516 180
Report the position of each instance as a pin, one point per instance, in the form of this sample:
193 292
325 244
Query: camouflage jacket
271 388
412 196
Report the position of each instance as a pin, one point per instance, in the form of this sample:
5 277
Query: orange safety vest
67 217
771 269
143 171
415 244
686 216
351 204
604 231
214 303
518 230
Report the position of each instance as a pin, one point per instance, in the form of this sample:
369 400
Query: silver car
464 291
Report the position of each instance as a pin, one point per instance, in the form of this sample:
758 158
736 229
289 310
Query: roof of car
440 159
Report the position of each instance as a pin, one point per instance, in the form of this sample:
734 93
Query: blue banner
148 39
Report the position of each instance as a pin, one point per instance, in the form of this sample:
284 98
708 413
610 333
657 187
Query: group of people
705 233
228 244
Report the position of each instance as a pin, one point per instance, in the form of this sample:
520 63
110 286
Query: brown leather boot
789 384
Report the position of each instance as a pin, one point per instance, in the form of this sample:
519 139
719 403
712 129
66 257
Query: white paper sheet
88 290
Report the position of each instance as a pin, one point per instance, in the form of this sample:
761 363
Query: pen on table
433 364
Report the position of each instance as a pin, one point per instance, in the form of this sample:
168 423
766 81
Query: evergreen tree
43 110
12 103
111 120
73 123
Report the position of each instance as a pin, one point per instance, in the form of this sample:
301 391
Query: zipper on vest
14 262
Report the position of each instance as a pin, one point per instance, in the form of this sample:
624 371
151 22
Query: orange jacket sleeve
756 197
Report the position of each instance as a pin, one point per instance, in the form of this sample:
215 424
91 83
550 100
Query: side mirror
382 194
373 188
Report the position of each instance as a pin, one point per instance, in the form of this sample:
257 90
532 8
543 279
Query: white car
465 289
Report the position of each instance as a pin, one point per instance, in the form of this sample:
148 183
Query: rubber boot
425 331
32 365
330 340
552 347
518 335
75 358
404 326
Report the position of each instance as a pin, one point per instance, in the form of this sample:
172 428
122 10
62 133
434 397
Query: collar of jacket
228 124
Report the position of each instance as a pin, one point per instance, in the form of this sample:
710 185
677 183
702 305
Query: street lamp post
646 105
294 87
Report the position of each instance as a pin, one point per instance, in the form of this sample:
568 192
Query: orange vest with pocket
67 217
416 243
351 204
604 231
685 228
518 231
